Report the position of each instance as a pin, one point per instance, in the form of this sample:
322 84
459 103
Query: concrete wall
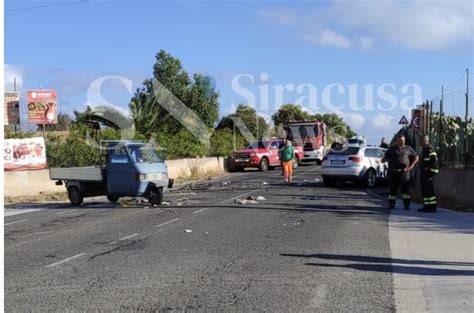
454 189
27 183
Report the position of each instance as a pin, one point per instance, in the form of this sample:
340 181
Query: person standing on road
429 169
287 153
401 160
384 143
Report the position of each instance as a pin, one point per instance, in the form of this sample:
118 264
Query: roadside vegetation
74 141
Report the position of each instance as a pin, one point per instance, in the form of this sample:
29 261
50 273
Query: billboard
11 104
24 154
42 107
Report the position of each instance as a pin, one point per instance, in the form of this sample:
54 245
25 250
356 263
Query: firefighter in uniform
429 169
401 160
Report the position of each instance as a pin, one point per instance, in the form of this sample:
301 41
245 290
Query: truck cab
130 169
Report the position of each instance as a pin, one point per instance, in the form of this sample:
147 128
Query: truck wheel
369 179
75 196
113 199
156 196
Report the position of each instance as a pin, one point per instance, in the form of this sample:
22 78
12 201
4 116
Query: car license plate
239 160
337 162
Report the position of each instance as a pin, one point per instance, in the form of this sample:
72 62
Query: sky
369 61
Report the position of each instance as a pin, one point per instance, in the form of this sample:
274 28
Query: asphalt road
306 248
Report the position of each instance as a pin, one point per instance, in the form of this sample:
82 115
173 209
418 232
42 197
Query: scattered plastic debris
251 198
305 180
165 203
317 180
245 201
188 231
260 198
206 233
264 183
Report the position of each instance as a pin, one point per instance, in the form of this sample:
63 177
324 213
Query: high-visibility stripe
432 153
431 202
430 198
434 170
392 197
426 159
405 196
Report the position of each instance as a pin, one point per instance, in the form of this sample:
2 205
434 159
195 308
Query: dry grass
197 175
43 197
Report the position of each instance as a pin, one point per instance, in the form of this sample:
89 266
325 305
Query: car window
380 153
341 151
119 156
274 145
370 153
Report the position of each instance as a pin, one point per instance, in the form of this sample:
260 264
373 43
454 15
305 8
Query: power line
455 85
46 5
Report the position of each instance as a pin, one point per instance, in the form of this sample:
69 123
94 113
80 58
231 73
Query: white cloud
329 38
11 72
366 43
412 24
384 123
355 120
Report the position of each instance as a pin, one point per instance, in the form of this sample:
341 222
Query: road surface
305 248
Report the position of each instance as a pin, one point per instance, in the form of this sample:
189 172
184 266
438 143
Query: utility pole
14 89
466 139
440 121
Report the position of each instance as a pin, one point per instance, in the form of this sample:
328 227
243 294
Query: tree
334 121
63 124
105 115
198 94
247 114
289 112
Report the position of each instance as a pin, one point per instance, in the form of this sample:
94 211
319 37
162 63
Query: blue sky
67 47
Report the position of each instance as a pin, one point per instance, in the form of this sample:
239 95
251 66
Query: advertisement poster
11 105
42 107
24 154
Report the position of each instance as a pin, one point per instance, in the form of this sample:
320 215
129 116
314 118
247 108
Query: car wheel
113 199
75 196
264 165
296 162
328 182
370 178
156 196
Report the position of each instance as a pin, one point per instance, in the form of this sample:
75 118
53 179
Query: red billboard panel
42 107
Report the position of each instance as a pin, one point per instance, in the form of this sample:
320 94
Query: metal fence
448 120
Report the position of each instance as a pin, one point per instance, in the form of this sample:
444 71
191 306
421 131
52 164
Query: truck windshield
143 154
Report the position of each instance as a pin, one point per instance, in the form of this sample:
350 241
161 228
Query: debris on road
317 180
251 198
264 183
245 201
188 231
165 203
260 198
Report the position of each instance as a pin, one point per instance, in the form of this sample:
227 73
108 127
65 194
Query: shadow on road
389 265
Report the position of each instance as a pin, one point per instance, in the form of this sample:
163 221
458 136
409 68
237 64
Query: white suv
354 163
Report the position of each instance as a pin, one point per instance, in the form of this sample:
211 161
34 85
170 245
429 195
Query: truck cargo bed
88 173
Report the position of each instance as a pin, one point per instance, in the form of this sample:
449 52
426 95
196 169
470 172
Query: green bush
181 145
222 142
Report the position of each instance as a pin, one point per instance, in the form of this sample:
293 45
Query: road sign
417 122
403 121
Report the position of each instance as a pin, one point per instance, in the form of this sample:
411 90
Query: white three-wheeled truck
131 169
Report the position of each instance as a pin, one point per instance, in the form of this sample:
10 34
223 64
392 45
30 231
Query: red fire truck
311 135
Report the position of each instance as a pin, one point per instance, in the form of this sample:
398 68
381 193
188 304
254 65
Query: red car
263 154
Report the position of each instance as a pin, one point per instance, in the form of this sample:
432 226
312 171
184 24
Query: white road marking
201 210
63 212
166 223
11 212
125 238
66 260
15 222
247 193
